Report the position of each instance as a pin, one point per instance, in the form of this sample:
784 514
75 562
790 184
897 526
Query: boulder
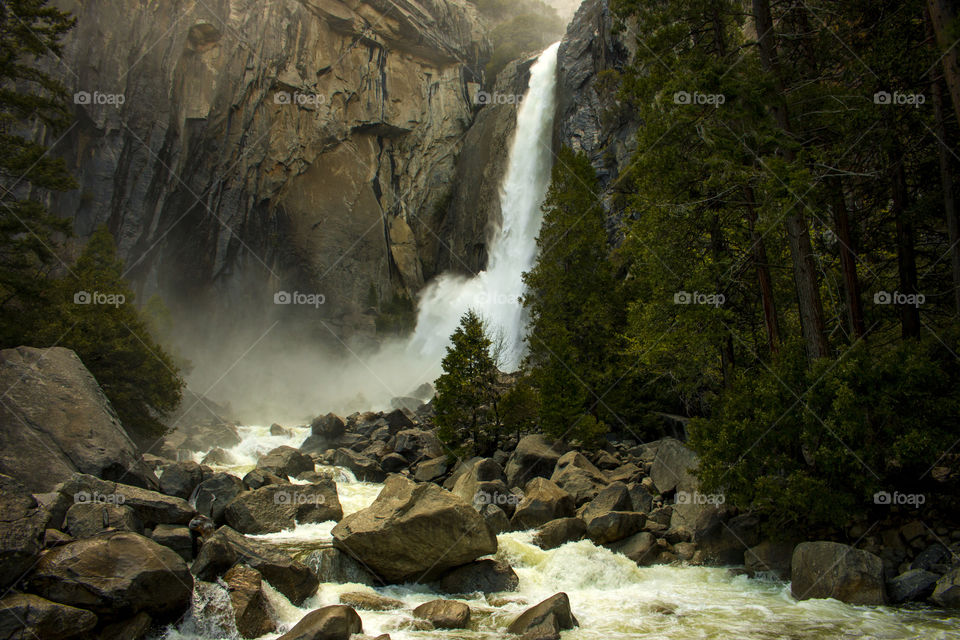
485 576
417 444
614 497
482 483
55 420
336 622
54 505
444 614
85 519
180 479
215 493
22 525
280 430
495 517
769 557
641 497
577 476
252 612
370 601
545 620
135 628
28 617
533 457
286 461
558 532
364 468
175 537
226 548
625 473
414 532
946 593
606 461
614 525
257 478
672 465
430 470
324 431
115 575
935 554
834 570
912 586
642 548
334 565
393 463
218 457
543 501
152 507
277 507
55 538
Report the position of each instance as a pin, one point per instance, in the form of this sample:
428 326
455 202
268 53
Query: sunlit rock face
237 148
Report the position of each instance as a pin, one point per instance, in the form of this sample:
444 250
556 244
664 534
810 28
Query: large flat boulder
286 462
55 420
22 524
115 575
444 614
227 548
484 576
152 507
414 532
277 507
833 570
673 465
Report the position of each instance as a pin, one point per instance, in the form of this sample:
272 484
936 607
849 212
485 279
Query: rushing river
612 597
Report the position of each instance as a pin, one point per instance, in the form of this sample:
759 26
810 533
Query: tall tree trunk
848 260
718 246
946 178
906 253
759 251
798 233
942 14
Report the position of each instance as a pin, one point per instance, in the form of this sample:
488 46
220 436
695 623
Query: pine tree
30 101
93 314
467 394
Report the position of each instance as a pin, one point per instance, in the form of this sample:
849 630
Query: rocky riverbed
366 524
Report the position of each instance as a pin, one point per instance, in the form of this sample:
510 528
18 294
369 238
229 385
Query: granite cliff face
240 147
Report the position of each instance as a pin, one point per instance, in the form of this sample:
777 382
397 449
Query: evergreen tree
467 393
93 314
575 311
31 101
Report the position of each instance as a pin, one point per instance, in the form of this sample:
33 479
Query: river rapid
611 597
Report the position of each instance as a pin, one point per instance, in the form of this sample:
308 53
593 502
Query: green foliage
519 408
92 313
398 316
467 392
576 312
808 448
30 99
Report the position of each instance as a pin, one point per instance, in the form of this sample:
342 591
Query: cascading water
494 292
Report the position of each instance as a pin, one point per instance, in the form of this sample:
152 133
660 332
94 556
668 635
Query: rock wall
589 119
237 148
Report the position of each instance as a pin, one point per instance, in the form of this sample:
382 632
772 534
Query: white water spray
494 293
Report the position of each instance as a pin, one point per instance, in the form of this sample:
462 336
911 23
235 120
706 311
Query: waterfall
494 293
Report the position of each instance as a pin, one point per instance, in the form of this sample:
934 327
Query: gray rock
546 619
673 466
430 470
558 532
86 519
614 525
912 586
116 575
252 612
417 444
215 493
834 570
484 576
496 518
285 461
175 537
151 507
28 617
642 548
614 497
543 501
276 507
414 532
226 548
364 600
334 565
769 557
533 457
947 590
55 420
336 622
180 479
258 478
22 525
365 469
577 476
444 614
